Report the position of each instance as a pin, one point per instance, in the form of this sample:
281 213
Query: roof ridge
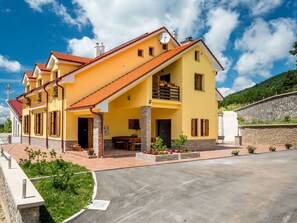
53 52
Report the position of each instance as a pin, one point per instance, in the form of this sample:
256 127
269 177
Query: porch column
146 116
98 135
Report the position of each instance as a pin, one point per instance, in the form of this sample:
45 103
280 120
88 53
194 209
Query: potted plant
288 145
90 151
161 83
272 149
235 152
251 149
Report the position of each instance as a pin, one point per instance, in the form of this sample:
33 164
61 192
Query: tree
294 51
7 126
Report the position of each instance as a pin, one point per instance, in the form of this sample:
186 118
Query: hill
281 83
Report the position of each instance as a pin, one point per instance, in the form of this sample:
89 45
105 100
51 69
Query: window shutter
202 127
206 127
194 129
35 123
41 124
50 123
58 123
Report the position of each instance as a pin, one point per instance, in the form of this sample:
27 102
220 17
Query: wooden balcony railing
166 93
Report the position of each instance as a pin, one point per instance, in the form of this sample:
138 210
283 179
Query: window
39 97
55 92
198 82
28 88
54 123
194 127
39 82
56 75
26 124
204 127
38 124
151 51
134 124
140 53
165 46
197 56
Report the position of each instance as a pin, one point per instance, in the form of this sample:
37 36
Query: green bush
158 145
251 149
180 143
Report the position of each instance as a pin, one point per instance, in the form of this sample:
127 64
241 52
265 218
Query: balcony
166 92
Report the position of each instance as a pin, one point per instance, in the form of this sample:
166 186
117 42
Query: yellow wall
198 104
107 71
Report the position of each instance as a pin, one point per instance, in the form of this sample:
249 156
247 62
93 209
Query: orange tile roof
122 82
71 58
42 67
29 74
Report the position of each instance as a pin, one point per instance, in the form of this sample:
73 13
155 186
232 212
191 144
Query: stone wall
273 108
19 210
201 144
274 135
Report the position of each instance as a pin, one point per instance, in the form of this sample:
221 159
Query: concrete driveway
255 188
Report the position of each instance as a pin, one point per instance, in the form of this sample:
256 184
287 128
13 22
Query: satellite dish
164 38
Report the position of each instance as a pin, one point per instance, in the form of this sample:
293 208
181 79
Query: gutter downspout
101 145
46 123
62 122
29 133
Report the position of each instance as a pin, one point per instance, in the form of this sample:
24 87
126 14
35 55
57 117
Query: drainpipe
29 121
101 146
46 113
62 122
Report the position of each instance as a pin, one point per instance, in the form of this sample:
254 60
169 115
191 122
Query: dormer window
28 88
39 97
55 75
165 46
39 82
55 92
140 53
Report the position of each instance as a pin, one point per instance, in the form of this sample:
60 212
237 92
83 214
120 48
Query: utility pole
8 92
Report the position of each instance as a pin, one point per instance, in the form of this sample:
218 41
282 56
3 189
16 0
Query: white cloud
59 10
222 23
4 113
264 43
115 22
226 91
9 65
239 84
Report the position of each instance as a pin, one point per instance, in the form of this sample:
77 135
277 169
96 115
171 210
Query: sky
250 38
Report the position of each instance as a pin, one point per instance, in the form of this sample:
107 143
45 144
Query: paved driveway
255 188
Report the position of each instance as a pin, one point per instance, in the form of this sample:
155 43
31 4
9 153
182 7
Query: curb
76 215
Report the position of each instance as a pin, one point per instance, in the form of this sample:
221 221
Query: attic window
140 53
55 75
165 46
151 51
39 82
197 55
28 88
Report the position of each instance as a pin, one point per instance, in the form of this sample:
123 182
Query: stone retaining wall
273 108
25 210
274 135
201 144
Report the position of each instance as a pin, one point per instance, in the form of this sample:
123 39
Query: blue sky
251 38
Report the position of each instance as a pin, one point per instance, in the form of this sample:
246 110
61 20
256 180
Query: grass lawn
64 195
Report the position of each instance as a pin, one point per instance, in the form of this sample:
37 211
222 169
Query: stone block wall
273 108
273 135
201 144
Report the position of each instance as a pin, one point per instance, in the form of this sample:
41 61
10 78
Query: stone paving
95 164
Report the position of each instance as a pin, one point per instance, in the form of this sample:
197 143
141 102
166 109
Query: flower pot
90 152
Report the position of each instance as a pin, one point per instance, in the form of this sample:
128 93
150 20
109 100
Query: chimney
102 49
174 34
97 50
187 40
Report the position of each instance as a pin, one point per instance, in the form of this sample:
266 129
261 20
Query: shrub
251 149
272 149
288 145
181 142
158 145
235 152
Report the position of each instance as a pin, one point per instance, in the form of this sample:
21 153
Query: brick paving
95 164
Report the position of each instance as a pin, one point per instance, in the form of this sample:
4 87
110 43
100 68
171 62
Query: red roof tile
122 82
71 58
16 106
42 67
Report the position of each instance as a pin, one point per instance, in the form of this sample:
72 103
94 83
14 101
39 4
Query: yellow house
150 86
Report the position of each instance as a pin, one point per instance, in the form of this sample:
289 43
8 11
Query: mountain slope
281 83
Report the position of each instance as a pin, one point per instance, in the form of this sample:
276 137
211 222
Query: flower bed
167 155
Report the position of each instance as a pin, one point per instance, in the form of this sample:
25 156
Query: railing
166 93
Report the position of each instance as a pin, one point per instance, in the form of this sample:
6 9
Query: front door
85 137
164 131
